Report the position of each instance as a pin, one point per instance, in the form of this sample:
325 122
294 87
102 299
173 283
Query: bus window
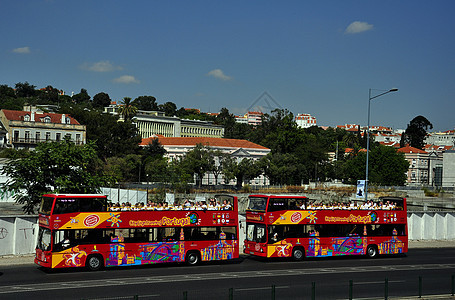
153 235
66 205
169 234
62 240
386 229
257 203
46 205
292 204
70 205
138 235
92 204
229 232
256 233
276 204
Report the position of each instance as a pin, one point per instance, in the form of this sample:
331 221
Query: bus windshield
256 233
44 239
257 203
46 205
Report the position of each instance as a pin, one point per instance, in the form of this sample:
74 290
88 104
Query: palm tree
127 110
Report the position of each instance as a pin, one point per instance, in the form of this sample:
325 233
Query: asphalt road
249 279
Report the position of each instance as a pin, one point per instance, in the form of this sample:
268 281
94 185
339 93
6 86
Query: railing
33 141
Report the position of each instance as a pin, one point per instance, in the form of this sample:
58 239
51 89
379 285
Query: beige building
150 123
25 129
418 172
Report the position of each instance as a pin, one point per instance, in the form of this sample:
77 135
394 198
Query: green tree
198 161
282 168
101 100
58 167
416 132
127 110
8 99
25 90
169 108
6 92
145 103
49 95
81 98
241 170
386 166
217 159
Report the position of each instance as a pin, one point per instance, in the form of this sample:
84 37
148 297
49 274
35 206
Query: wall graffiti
3 233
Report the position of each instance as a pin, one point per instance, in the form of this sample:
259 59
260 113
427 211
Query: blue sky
317 57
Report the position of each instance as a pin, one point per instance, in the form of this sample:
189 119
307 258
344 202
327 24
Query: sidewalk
10 260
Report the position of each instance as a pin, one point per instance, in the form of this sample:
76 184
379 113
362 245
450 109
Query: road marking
211 276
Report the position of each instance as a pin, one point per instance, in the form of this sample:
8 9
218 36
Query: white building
252 118
305 120
448 169
446 138
239 149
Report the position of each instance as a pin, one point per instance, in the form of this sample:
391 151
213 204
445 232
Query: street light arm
389 91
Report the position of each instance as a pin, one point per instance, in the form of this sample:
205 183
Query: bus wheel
94 263
372 251
298 253
192 258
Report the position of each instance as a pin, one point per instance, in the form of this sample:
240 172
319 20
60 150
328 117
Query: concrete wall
431 226
18 234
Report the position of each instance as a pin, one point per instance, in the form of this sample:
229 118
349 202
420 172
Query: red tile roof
193 141
409 149
16 115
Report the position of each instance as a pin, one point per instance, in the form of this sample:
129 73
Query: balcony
32 141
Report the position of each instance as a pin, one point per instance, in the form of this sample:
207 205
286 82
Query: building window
48 136
78 138
47 119
26 118
37 137
58 136
16 136
67 120
27 136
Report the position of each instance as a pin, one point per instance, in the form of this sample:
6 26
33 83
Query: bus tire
192 258
372 251
298 253
94 262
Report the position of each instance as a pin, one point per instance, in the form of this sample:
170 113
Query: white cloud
218 74
358 27
101 66
23 50
126 79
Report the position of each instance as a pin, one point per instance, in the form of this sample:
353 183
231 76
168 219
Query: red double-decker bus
294 226
81 231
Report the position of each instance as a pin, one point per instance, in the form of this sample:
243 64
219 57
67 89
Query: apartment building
25 129
418 172
252 118
305 120
445 138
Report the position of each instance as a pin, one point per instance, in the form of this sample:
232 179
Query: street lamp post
368 135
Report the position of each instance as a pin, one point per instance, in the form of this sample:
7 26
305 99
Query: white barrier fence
18 234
